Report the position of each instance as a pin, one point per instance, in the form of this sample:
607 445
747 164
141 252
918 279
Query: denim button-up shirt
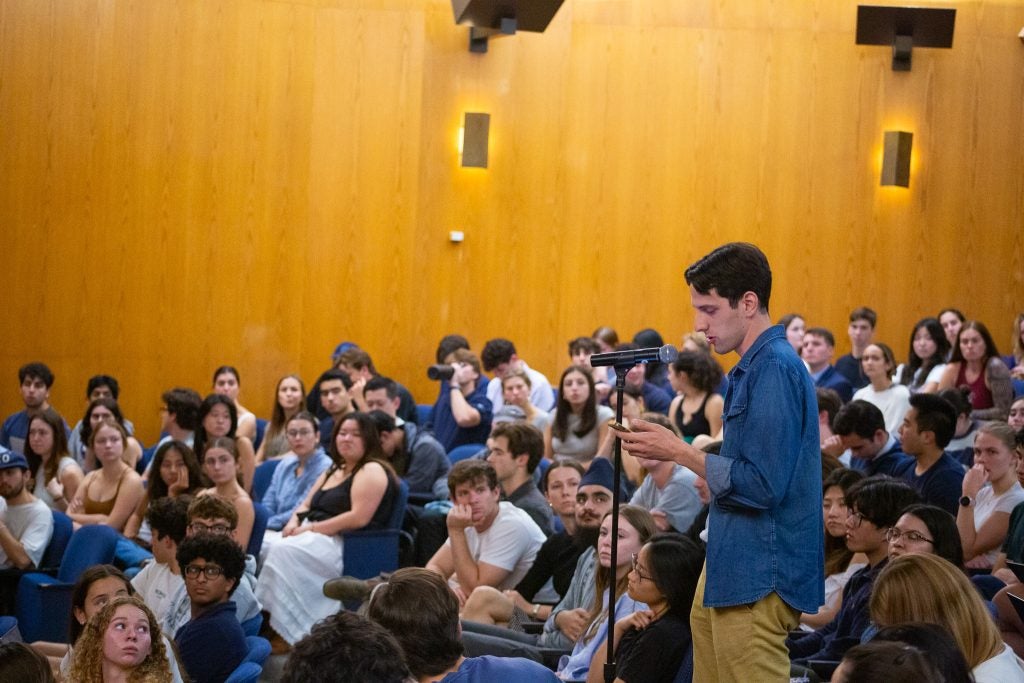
765 527
286 491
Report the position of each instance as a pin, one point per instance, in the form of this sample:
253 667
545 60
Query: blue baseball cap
9 459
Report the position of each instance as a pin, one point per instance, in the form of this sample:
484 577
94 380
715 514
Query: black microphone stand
620 385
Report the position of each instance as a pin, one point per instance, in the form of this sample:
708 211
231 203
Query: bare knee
487 605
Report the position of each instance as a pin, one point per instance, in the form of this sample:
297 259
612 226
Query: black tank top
330 502
697 425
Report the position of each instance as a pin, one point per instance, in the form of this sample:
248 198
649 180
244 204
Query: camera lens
439 372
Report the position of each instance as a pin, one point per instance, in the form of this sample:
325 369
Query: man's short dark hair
97 381
827 335
378 382
936 415
959 398
385 423
881 499
830 401
522 438
859 417
470 471
169 517
212 507
448 345
346 646
866 314
184 404
215 549
585 344
36 370
338 374
496 352
419 609
732 270
358 359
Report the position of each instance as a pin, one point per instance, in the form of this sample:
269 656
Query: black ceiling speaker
502 17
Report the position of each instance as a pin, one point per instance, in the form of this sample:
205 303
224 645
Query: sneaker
347 589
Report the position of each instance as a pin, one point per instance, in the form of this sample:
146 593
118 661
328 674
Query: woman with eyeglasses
926 529
650 644
220 465
990 493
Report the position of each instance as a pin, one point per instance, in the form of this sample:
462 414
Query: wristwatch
966 501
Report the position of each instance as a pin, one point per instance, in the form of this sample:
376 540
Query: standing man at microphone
765 554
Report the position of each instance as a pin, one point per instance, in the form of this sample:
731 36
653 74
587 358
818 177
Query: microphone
663 354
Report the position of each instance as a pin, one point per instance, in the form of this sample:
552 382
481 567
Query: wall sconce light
473 139
896 158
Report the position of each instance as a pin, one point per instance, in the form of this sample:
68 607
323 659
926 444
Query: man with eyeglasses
211 644
212 515
874 505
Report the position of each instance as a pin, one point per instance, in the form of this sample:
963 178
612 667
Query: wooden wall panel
185 183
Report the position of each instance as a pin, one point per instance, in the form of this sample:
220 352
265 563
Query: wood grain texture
186 183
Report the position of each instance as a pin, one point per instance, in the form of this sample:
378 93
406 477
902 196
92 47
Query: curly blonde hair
87 663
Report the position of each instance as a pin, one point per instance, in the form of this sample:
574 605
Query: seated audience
213 515
499 357
98 386
580 351
927 428
35 380
288 398
218 418
817 351
515 391
990 493
335 402
358 491
829 404
122 642
295 475
650 644
19 662
110 494
976 366
891 662
179 417
926 358
891 398
360 368
926 588
696 409
221 467
860 331
1016 418
56 474
490 543
795 328
211 644
1015 360
515 449
422 613
840 562
415 455
227 382
860 429
657 399
936 643
555 563
462 413
951 320
961 446
100 410
874 505
161 579
636 526
928 530
26 525
177 474
346 646
655 372
669 494
632 408
579 423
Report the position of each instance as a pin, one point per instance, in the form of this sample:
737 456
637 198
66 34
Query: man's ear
750 304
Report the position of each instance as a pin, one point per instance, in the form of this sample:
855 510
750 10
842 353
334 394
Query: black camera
439 372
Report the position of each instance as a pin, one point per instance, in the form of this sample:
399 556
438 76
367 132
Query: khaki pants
742 644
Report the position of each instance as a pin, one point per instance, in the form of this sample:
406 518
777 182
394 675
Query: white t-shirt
40 491
934 375
32 524
156 584
894 403
541 394
987 503
1005 667
510 543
